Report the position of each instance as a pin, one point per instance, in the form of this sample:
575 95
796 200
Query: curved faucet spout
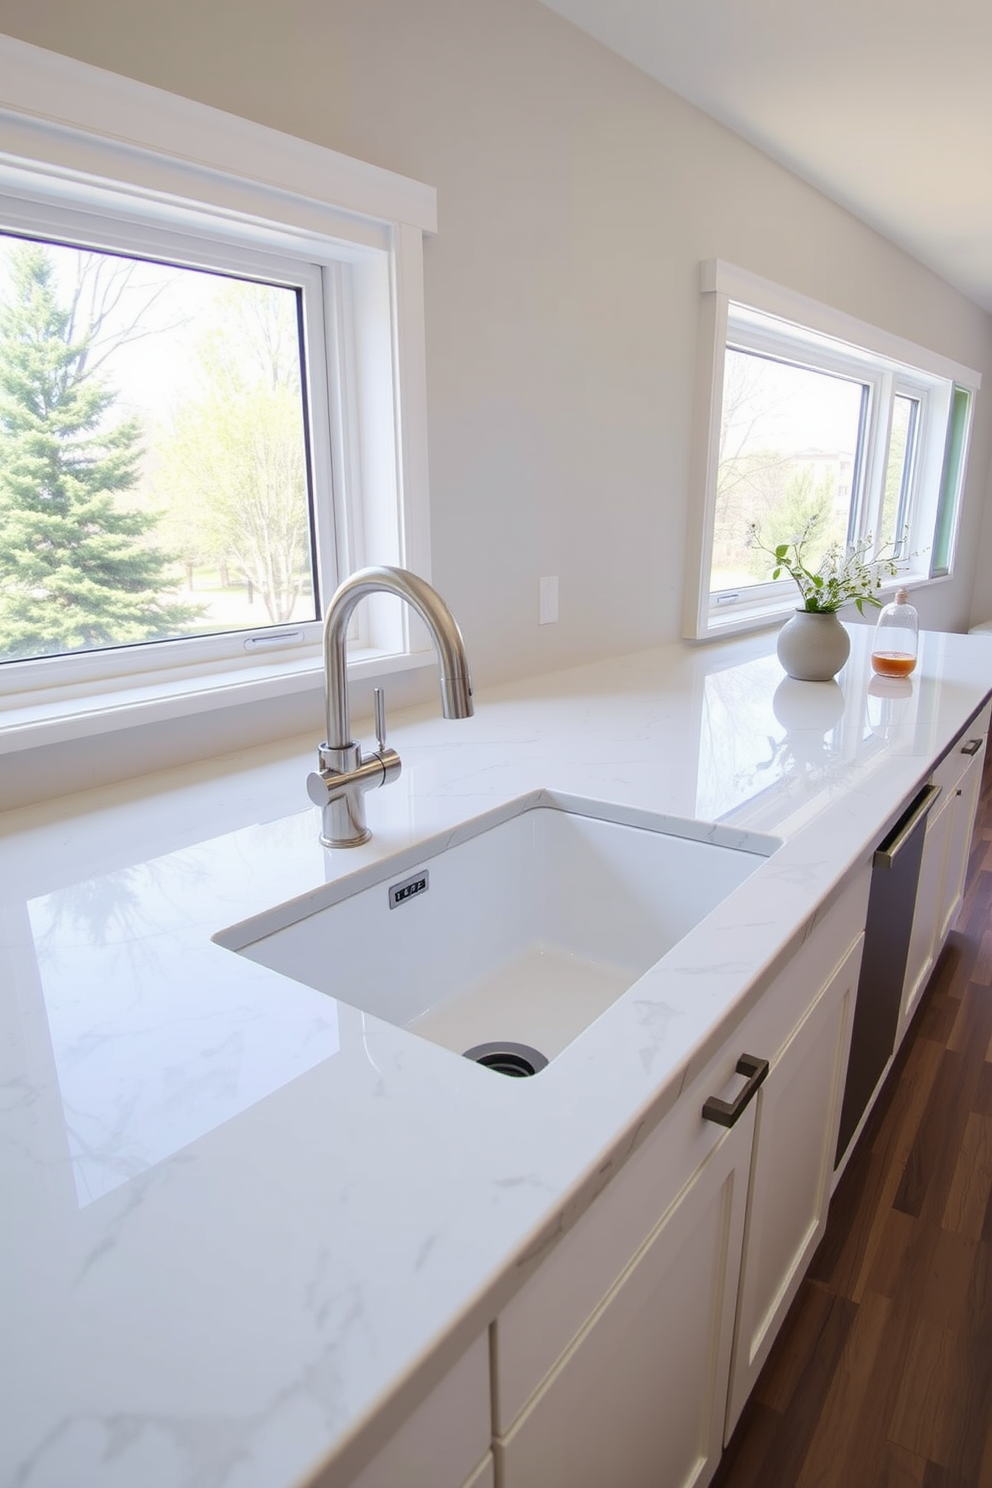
344 775
455 679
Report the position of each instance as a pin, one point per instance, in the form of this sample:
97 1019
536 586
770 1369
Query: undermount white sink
525 928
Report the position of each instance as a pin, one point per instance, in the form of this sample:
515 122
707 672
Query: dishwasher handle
886 856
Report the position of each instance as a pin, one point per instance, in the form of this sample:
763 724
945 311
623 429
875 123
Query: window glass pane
153 459
951 478
789 450
902 440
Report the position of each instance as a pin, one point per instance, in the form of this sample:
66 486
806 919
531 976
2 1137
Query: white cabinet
638 1398
798 1110
945 861
963 807
923 940
445 1442
484 1475
613 1364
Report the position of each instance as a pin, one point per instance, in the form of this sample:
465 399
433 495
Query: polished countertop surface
244 1225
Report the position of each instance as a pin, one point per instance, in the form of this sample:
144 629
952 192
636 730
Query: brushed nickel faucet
344 774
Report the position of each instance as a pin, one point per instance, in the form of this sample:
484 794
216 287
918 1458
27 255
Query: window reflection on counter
768 743
156 1038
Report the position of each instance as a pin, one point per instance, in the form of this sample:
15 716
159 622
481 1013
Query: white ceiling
884 105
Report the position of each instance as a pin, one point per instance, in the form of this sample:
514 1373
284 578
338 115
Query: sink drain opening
517 1060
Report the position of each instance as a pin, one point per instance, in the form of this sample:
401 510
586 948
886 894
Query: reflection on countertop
203 1155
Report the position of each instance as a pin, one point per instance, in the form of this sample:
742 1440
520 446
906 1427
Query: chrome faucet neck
344 775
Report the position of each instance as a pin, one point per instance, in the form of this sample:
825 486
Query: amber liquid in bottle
893 663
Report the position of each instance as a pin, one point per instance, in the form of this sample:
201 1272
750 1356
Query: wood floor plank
941 1477
934 1139
971 1184
940 1008
978 892
891 1140
810 1351
869 1191
752 1452
922 1405
983 1090
973 918
824 1466
927 1269
972 1030
894 1467
963 1437
931 1162
884 1464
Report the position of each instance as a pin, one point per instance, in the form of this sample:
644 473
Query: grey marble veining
235 1210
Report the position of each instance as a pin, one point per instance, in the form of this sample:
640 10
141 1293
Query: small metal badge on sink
399 893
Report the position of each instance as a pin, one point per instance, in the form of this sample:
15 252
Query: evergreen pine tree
77 569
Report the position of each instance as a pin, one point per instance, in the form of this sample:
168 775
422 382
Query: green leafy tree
78 568
807 503
231 467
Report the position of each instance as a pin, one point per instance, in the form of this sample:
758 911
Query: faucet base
351 841
341 793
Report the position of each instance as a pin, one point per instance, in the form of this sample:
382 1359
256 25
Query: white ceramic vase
813 645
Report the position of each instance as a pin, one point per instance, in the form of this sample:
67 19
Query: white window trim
722 284
78 134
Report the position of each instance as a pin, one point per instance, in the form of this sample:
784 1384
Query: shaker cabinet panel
444 1441
536 1327
798 1112
484 1475
923 938
963 808
639 1398
945 861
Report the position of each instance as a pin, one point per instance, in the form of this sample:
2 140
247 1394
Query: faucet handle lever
379 704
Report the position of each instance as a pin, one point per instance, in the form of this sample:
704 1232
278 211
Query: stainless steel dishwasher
891 905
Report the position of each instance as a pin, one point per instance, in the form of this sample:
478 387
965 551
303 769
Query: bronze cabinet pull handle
726 1113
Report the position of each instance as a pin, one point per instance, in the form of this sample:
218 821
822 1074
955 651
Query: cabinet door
923 938
798 1112
963 806
945 860
484 1475
446 1439
639 1398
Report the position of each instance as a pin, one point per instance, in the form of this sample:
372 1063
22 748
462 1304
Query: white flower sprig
842 575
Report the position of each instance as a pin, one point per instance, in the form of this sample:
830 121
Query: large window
811 423
154 452
212 401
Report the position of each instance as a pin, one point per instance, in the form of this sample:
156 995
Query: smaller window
862 434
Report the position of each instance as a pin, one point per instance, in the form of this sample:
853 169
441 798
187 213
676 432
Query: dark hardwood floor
882 1374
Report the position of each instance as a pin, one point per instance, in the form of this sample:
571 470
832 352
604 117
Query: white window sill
741 618
66 715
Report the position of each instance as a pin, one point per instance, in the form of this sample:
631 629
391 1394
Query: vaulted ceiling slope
883 105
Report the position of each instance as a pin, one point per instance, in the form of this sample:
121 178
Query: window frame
146 172
752 314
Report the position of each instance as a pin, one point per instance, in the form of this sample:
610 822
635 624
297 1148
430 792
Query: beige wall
576 199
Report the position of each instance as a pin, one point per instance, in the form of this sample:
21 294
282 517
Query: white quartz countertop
245 1226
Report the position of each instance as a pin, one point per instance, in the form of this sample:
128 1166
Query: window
212 399
155 470
810 421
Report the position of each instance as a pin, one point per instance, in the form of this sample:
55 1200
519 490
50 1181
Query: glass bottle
897 633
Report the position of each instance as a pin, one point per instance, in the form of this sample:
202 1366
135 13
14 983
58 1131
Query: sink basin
524 929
